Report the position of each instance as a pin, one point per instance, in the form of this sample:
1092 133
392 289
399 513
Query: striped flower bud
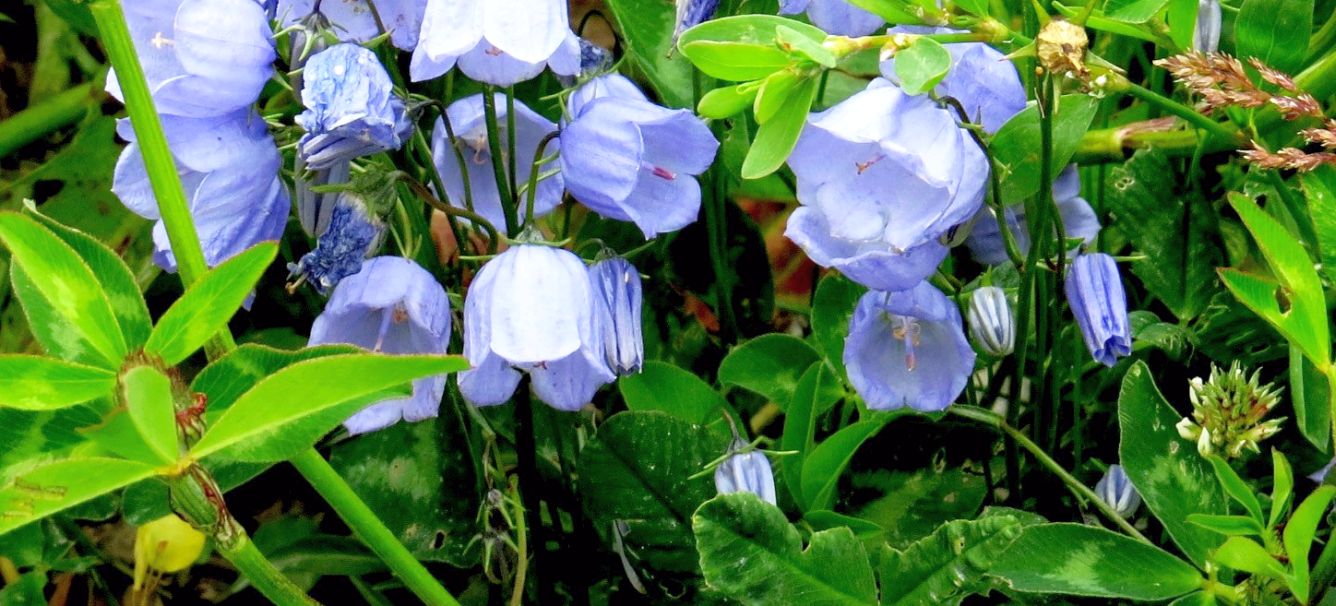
1117 490
992 325
746 472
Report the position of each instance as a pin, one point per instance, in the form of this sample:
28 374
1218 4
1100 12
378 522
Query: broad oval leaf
748 29
666 388
948 564
775 139
922 65
832 307
46 488
1083 560
1248 556
735 61
823 467
1299 533
770 365
147 394
1017 151
724 102
1274 31
40 383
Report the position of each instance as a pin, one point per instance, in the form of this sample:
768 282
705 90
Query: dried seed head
1061 47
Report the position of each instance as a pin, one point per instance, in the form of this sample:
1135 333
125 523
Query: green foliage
648 29
832 307
812 396
31 492
1275 32
147 394
666 388
1084 560
824 465
770 365
1133 11
951 563
922 65
36 383
1016 146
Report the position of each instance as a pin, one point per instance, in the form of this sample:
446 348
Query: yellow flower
167 544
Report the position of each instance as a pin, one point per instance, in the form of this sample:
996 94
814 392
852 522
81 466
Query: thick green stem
1119 83
48 116
262 574
1319 79
1113 144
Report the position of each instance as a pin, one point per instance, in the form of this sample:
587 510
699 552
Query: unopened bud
1116 489
992 324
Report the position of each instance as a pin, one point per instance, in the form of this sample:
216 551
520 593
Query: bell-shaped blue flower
1206 34
907 348
355 20
608 85
837 17
880 177
982 79
201 57
991 322
1117 490
631 160
229 168
392 306
617 293
747 471
532 309
351 108
691 13
1078 221
499 43
353 233
467 120
1095 293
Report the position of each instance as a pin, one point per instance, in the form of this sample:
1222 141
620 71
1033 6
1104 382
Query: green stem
1113 144
1119 83
1081 490
48 116
1320 77
532 194
494 143
370 529
262 574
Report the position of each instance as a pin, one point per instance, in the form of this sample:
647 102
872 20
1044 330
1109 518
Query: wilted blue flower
631 160
907 348
201 57
355 20
1078 221
983 80
1095 293
532 309
314 208
466 118
351 109
1206 35
229 168
691 13
352 234
393 306
880 177
746 472
1117 490
992 324
835 16
498 43
617 292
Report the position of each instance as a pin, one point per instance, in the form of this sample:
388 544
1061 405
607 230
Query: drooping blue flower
353 233
748 471
881 176
201 57
631 160
907 348
392 306
351 108
532 309
1117 490
1078 221
1206 34
691 13
608 85
467 120
1095 293
991 322
837 17
355 20
229 168
498 43
617 292
982 79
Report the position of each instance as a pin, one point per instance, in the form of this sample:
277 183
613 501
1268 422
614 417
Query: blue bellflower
1206 34
631 160
532 309
617 293
351 108
201 57
607 85
467 120
746 472
991 322
392 306
499 43
880 177
229 168
982 79
834 16
907 348
1117 490
355 20
1095 293
691 13
1078 221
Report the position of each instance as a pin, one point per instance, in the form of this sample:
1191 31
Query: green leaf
1179 270
735 61
870 533
666 388
29 434
759 30
727 101
1098 22
1246 555
812 396
637 470
1282 488
38 383
289 410
1165 469
802 45
1274 31
1228 525
223 381
770 365
208 305
775 90
46 488
949 564
775 139
922 66
1320 189
647 28
1088 561
1236 488
1133 11
1182 17
892 11
1200 598
741 528
1299 534
913 503
119 284
67 284
832 307
1310 394
826 463
147 394
974 7
1017 151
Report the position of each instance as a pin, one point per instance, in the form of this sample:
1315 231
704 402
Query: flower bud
1117 490
167 544
1095 293
617 295
1228 411
1206 36
991 323
746 472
